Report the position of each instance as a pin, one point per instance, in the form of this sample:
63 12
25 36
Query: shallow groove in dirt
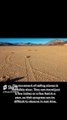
29 71
8 60
44 73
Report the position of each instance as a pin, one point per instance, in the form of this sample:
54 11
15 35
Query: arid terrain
33 63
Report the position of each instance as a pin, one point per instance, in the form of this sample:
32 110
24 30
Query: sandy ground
33 63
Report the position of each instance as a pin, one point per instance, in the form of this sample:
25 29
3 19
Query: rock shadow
11 80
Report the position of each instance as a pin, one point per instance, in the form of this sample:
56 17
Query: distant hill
5 44
17 44
57 42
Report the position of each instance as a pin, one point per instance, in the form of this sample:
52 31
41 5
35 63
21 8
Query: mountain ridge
57 42
53 42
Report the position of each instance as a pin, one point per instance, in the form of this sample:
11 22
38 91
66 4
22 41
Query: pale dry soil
33 63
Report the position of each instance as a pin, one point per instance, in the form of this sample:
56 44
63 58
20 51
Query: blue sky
32 40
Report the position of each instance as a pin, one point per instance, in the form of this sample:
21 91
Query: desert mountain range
57 42
53 42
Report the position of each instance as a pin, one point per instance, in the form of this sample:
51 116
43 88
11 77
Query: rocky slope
57 42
